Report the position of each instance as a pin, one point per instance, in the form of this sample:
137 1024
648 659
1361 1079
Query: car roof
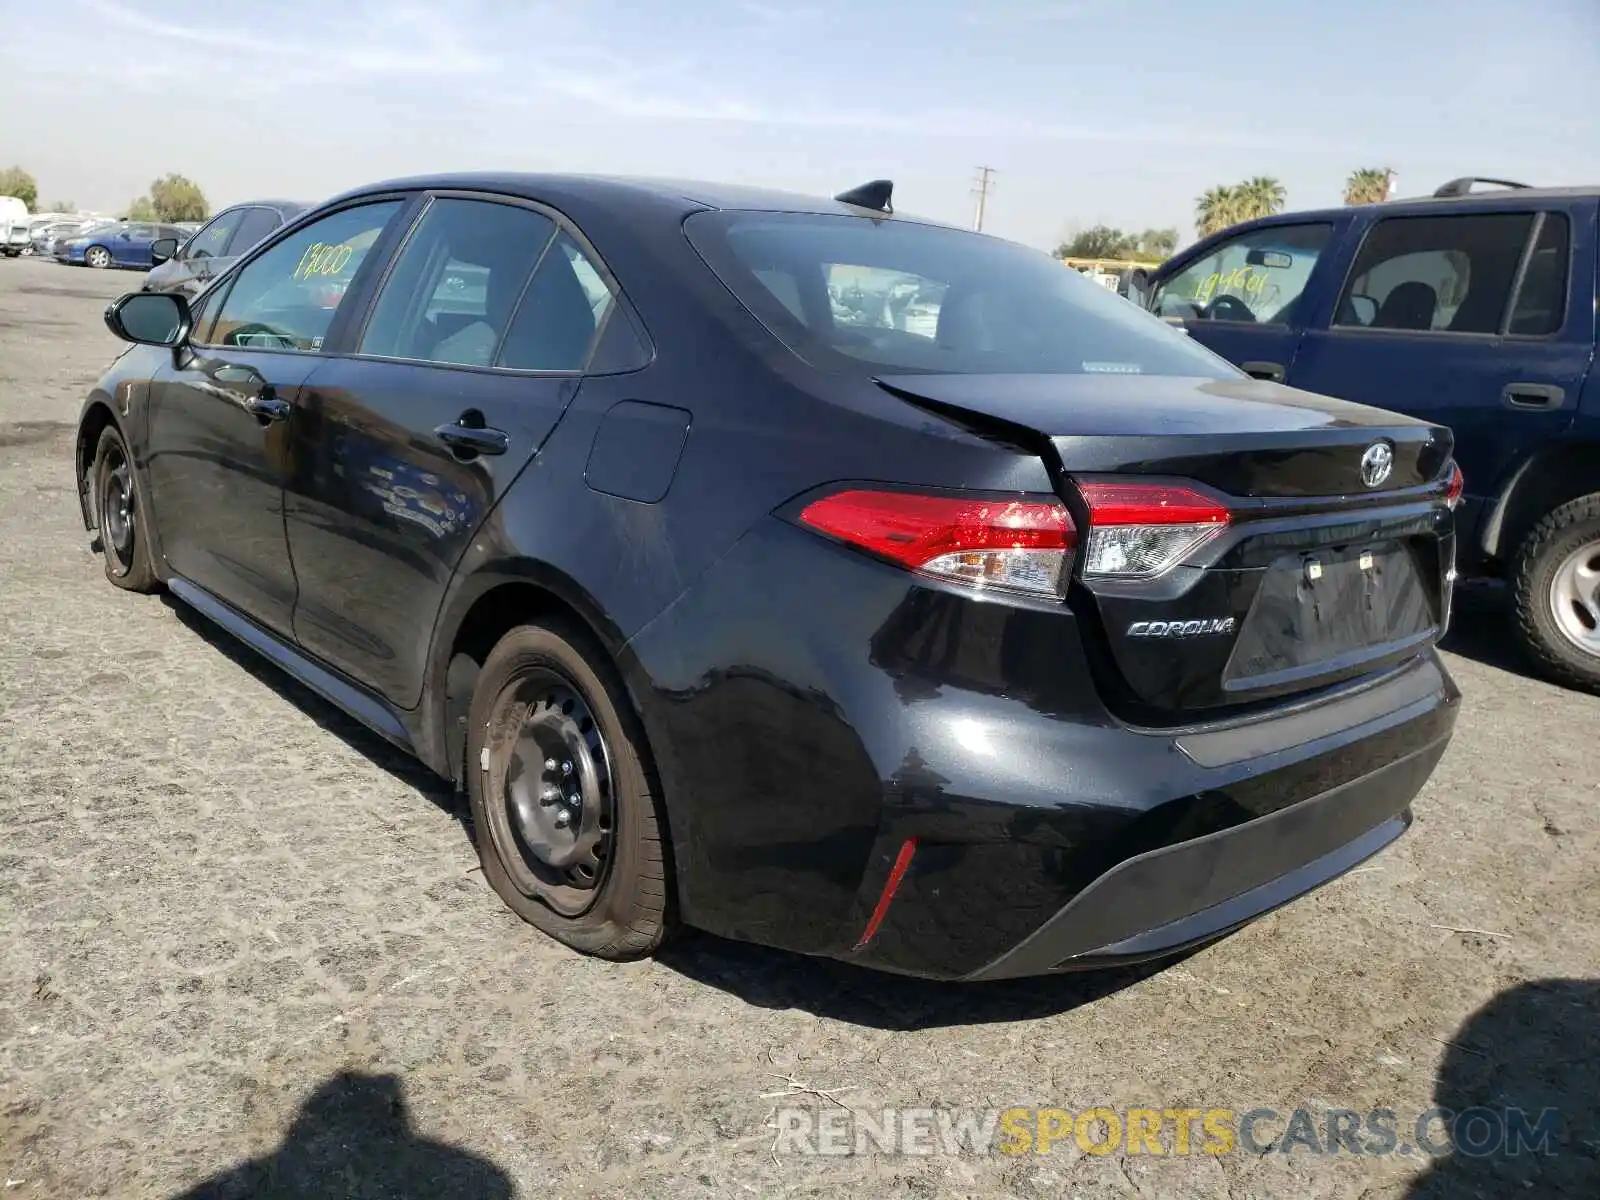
1495 198
295 206
620 193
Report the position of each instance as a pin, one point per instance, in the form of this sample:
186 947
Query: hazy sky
1119 111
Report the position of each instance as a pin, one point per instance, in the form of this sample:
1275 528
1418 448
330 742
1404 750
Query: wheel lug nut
549 764
563 818
566 768
550 795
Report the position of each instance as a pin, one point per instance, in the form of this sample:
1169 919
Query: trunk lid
1321 574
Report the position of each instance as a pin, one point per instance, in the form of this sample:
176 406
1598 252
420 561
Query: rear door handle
472 439
1533 396
1270 371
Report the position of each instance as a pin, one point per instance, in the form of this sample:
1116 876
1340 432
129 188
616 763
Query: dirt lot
241 941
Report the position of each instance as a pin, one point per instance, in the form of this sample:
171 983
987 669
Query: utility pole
985 183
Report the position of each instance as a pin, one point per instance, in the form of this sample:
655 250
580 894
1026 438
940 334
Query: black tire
1548 546
120 515
548 681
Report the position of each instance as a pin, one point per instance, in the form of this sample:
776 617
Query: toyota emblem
1376 464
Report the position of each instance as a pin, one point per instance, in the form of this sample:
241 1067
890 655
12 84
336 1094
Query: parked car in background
1474 309
119 244
1030 638
186 266
47 235
13 226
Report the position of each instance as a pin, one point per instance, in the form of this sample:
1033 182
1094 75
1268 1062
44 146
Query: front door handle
1270 371
265 406
469 437
1537 397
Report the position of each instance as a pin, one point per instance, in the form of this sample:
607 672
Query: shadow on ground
826 988
759 976
335 720
1522 1065
1480 628
353 1138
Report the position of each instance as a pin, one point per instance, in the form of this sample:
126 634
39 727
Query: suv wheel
565 806
119 515
1557 586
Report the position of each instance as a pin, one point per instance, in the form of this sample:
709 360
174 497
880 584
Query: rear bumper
1185 895
813 713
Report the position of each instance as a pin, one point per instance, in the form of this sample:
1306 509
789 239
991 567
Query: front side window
1450 274
451 294
254 225
855 294
288 297
213 239
1256 278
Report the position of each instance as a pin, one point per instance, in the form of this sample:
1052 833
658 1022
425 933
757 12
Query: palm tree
1262 196
1217 209
1368 185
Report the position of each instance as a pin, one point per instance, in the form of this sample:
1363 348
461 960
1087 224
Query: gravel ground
244 948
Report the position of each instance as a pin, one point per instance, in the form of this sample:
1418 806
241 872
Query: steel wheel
118 508
97 256
1575 597
553 819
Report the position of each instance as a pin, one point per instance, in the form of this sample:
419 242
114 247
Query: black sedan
999 633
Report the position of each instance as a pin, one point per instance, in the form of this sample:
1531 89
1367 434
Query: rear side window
1450 274
450 296
564 307
853 293
1541 305
255 224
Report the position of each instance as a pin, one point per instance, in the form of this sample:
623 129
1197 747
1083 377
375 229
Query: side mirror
150 318
163 250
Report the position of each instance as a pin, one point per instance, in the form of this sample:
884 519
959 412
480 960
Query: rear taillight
1455 483
1140 530
1014 545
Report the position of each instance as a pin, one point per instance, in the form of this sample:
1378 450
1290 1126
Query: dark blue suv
1473 309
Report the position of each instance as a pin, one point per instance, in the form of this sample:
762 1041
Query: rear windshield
851 293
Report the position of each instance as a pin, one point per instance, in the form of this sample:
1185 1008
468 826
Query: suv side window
213 239
1541 305
1449 274
451 294
254 224
288 297
564 306
1256 278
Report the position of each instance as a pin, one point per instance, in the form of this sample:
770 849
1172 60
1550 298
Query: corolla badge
1376 464
1170 629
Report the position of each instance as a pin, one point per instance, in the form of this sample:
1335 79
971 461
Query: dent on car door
1248 297
474 349
219 415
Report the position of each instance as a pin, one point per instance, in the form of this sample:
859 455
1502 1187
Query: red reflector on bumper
902 863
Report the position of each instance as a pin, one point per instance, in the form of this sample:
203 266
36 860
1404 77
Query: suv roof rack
875 195
1463 186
